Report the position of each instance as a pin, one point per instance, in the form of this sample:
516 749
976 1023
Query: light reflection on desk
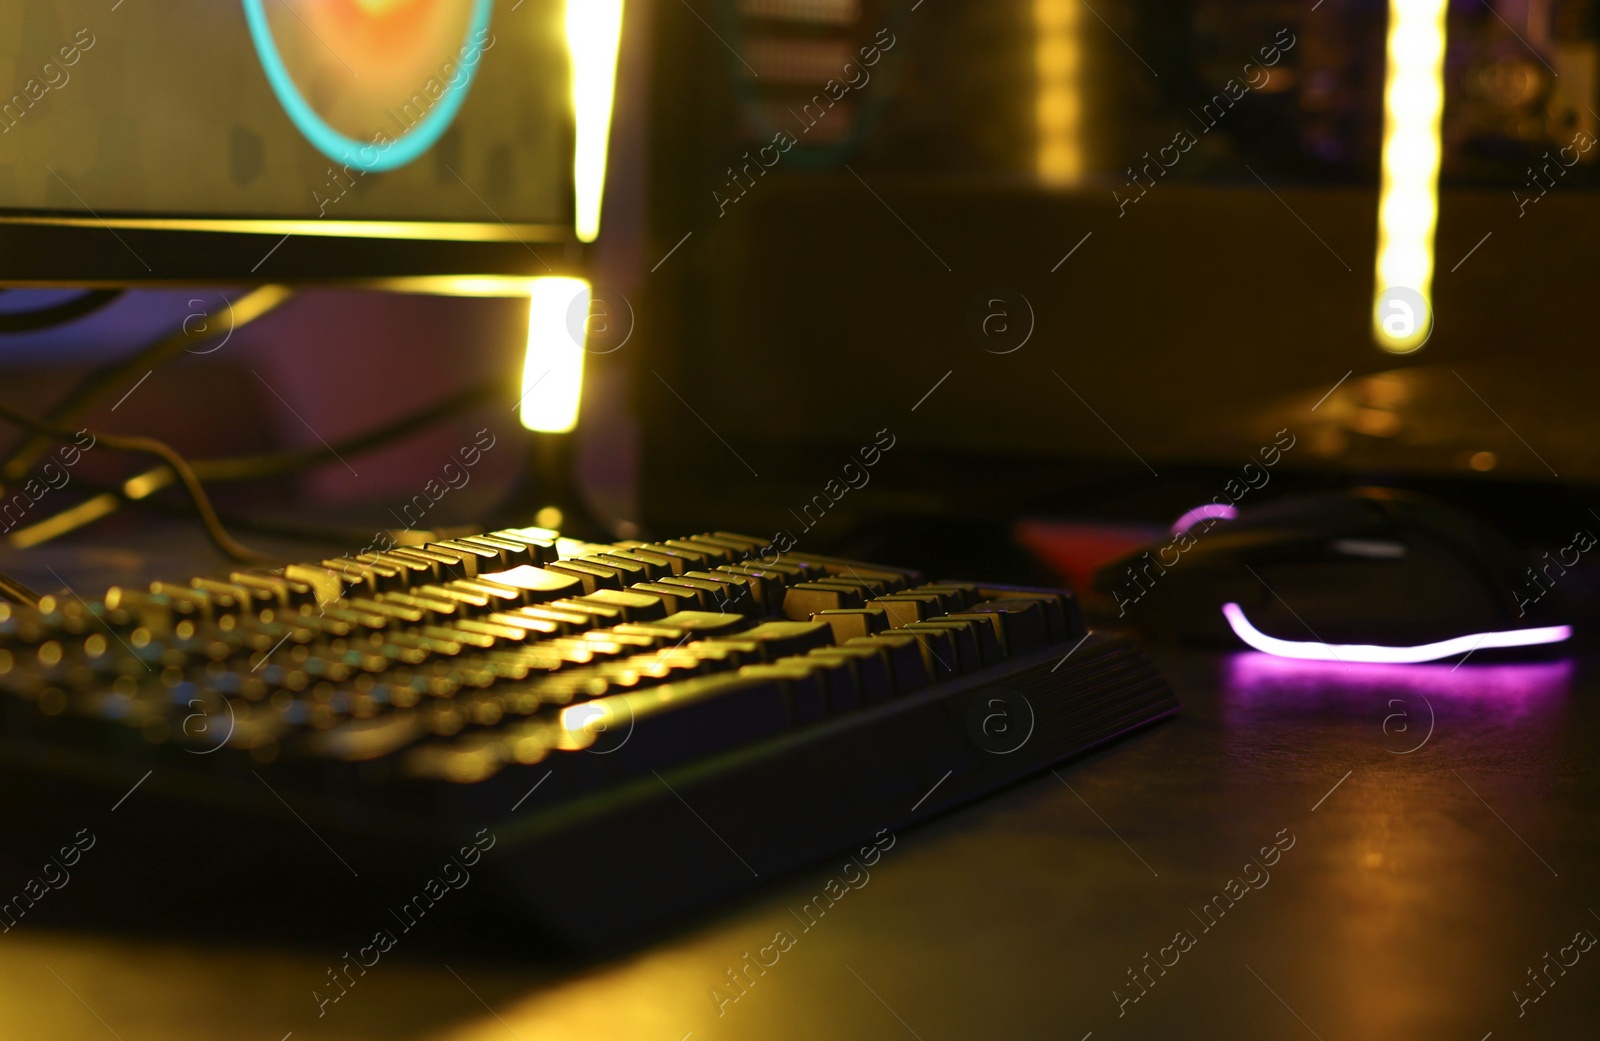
1403 852
1260 685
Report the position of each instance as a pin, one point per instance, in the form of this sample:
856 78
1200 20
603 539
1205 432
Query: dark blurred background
831 218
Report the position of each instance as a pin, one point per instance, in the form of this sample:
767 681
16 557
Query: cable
147 446
13 322
109 377
15 591
337 534
249 467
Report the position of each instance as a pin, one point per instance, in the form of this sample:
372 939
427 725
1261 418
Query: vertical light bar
594 35
1058 105
552 374
1408 205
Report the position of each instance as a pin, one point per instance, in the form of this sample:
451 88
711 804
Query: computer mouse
1373 574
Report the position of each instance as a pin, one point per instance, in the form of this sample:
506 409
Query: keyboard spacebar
677 722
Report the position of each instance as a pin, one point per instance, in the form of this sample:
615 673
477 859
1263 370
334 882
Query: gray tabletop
1306 851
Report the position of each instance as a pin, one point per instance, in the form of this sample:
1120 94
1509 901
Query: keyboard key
209 605
500 633
693 625
866 589
593 576
475 557
527 550
713 554
893 579
649 634
444 566
536 628
847 625
802 601
954 596
600 615
432 607
675 597
990 652
783 639
407 569
681 559
288 594
1020 624
906 657
874 678
766 588
540 585
255 600
794 572
574 621
326 584
963 656
354 579
157 614
906 608
541 541
500 594
398 614
733 590
513 553
1063 614
635 606
626 571
655 565
469 600
753 544
738 548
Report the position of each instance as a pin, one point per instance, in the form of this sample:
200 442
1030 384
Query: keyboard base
667 846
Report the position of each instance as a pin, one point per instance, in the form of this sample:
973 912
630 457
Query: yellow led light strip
552 374
1408 204
1058 105
594 36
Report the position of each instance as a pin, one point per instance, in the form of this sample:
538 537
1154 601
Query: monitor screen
443 111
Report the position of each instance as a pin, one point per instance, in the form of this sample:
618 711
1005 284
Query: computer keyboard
662 724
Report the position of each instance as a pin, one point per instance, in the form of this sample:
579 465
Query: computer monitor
374 141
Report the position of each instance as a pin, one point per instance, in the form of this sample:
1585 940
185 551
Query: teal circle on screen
341 147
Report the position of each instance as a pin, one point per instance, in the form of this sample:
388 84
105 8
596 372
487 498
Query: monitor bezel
39 250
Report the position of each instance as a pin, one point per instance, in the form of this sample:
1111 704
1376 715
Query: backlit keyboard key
802 601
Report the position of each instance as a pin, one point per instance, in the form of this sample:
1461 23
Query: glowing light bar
552 374
594 35
1408 203
1369 652
1211 510
1059 104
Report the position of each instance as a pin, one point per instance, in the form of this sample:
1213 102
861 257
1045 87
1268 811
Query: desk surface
1438 834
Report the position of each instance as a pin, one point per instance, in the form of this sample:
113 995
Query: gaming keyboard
666 723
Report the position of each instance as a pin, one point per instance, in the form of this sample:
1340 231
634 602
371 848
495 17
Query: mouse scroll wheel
1371 549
